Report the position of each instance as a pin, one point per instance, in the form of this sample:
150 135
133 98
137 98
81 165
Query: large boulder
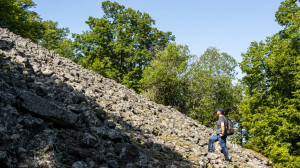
42 107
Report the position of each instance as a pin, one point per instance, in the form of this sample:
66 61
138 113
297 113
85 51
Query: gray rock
89 140
144 159
69 77
115 136
2 155
127 152
6 45
110 124
79 164
32 122
100 131
6 98
113 164
91 119
212 156
41 91
77 108
43 147
15 136
57 61
48 72
105 165
44 108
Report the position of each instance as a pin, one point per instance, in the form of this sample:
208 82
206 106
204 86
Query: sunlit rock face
55 113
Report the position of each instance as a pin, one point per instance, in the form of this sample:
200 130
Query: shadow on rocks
45 122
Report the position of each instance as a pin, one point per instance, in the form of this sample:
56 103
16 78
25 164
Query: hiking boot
229 160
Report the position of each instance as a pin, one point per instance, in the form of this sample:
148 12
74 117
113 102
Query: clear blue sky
229 25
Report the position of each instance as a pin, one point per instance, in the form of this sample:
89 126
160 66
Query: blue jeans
222 141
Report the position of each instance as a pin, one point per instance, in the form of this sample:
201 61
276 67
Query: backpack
230 128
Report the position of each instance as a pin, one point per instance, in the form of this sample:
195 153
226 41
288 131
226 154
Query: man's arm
222 128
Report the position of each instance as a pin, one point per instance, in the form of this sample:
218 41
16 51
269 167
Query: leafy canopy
16 16
162 79
271 109
120 44
210 85
55 39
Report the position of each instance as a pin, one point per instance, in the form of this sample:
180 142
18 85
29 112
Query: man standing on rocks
221 134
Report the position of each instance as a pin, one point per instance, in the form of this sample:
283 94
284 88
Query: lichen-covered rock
44 108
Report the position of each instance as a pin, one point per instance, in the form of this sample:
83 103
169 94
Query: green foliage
209 86
120 44
162 79
271 109
16 16
55 39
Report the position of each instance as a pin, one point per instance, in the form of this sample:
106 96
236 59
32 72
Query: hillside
55 113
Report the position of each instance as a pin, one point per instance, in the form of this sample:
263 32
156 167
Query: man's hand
221 135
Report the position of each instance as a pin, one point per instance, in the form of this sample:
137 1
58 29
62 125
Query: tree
16 16
162 79
271 109
55 39
210 86
120 44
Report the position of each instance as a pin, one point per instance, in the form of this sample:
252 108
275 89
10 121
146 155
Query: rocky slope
55 113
